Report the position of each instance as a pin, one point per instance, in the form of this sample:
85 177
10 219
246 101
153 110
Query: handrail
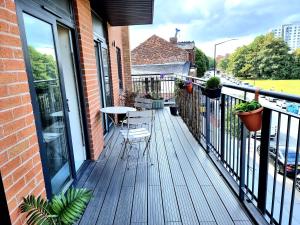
274 94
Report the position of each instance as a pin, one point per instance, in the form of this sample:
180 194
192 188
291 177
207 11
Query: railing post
146 84
264 160
222 127
207 123
242 163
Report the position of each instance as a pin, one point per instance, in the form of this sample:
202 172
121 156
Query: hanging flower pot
252 119
189 86
213 88
250 113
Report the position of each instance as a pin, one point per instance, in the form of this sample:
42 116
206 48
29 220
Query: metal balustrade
257 165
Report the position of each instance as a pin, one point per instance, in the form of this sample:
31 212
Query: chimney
173 40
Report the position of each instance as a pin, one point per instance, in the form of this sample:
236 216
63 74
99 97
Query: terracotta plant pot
252 120
189 88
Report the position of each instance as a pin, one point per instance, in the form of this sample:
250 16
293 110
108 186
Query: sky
212 21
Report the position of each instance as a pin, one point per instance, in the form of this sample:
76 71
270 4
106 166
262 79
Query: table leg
109 142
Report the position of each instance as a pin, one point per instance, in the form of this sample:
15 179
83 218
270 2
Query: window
120 74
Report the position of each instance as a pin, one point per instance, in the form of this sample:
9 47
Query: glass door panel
41 49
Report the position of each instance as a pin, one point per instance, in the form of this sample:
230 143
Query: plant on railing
189 86
250 113
128 98
213 87
63 209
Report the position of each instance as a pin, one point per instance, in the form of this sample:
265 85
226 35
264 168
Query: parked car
271 99
273 133
281 103
291 158
298 182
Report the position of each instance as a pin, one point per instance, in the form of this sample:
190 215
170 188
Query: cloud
207 21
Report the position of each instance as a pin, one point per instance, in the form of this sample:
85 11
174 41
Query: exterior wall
156 50
88 65
119 37
20 163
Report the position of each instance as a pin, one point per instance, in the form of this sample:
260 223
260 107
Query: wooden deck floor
182 187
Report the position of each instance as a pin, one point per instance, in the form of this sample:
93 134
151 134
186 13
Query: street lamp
233 39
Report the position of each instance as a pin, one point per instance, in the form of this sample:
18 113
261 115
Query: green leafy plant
63 209
213 83
179 83
247 106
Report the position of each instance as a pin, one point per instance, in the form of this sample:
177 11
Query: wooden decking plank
112 195
234 208
170 205
153 173
103 179
200 204
241 222
188 214
123 213
220 213
80 183
155 208
139 206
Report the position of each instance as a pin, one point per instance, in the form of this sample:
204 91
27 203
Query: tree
210 62
223 64
296 64
202 62
267 57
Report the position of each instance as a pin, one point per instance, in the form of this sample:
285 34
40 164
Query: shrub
247 106
213 83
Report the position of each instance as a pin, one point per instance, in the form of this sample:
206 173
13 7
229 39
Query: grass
287 86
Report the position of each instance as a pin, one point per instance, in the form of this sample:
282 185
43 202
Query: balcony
181 187
208 169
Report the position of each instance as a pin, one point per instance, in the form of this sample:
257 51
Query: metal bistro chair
139 129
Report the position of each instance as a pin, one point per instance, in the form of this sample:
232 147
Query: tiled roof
156 50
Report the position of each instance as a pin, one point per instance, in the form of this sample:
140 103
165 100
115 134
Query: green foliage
247 106
223 64
202 62
267 57
213 83
179 85
210 62
296 64
43 65
63 209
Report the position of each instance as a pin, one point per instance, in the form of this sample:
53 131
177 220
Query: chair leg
147 145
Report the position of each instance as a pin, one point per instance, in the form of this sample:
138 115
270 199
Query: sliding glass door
46 81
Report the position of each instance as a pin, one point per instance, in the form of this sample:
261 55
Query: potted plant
251 114
60 210
173 110
213 87
179 83
157 101
189 86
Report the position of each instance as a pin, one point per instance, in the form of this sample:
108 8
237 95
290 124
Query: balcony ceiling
125 12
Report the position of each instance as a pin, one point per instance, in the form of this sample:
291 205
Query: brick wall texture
156 50
20 162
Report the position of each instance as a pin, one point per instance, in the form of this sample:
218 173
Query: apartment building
60 62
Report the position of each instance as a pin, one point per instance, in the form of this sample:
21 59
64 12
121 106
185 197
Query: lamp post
215 51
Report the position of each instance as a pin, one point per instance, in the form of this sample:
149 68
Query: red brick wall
88 65
120 37
20 162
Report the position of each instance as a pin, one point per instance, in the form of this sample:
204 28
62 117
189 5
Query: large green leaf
70 206
38 211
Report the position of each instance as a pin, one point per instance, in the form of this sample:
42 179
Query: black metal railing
260 166
161 85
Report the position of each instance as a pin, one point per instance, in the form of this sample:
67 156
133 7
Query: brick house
157 54
60 62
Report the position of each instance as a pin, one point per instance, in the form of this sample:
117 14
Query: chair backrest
140 117
143 103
